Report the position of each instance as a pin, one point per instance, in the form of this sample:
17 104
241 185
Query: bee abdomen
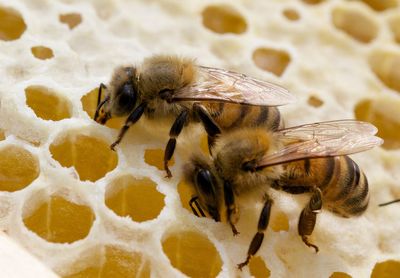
349 195
231 116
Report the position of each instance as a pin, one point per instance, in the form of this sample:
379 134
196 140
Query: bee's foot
309 244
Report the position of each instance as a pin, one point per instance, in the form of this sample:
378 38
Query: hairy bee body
152 88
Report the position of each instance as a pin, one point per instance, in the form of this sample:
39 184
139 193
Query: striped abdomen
344 186
230 116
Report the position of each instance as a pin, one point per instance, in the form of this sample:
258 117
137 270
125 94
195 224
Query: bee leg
101 88
209 124
176 129
194 200
132 118
259 236
211 142
231 209
308 217
388 203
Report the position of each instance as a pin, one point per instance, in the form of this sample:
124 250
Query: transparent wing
322 139
227 86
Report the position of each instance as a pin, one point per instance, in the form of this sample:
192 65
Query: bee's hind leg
308 217
176 129
259 236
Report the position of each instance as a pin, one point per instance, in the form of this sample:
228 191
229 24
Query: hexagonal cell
279 221
91 156
386 269
315 101
313 2
386 66
258 269
71 19
12 25
223 19
193 254
291 14
42 52
155 157
18 168
272 60
382 113
355 23
89 104
111 261
339 275
59 220
47 104
394 24
381 5
133 197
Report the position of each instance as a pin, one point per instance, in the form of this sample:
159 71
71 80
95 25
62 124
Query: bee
252 162
175 89
389 203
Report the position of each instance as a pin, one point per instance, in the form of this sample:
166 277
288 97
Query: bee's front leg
231 208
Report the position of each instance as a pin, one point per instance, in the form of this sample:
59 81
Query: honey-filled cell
2 135
46 104
223 19
185 192
137 198
89 104
12 25
112 261
71 19
381 5
91 156
42 52
59 220
386 269
271 60
155 157
18 168
193 254
386 66
258 269
340 275
279 221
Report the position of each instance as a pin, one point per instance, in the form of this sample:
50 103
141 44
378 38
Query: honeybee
389 203
168 87
311 158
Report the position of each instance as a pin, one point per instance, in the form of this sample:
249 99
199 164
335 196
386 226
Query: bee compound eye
204 182
127 97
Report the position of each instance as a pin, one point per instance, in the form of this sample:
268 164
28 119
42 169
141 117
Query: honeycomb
77 209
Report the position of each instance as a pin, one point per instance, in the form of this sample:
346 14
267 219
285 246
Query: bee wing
227 86
322 139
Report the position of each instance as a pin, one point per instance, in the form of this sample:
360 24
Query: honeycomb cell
12 25
272 60
382 113
394 24
204 144
386 67
91 156
291 14
136 198
42 52
89 104
2 135
193 254
258 269
340 275
18 168
59 220
223 19
112 261
279 222
381 5
47 104
71 19
185 193
386 269
155 157
356 24
313 2
315 101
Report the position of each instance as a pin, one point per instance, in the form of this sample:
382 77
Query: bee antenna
388 203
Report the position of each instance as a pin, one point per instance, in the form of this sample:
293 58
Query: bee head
120 97
198 173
